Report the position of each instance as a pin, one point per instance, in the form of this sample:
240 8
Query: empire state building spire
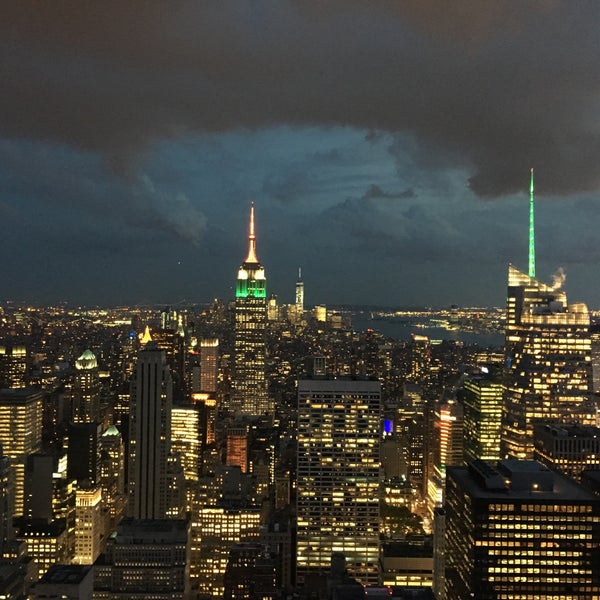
251 258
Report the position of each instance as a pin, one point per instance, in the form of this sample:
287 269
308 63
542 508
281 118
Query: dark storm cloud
495 87
374 191
36 180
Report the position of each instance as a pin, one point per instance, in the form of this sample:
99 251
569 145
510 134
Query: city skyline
133 141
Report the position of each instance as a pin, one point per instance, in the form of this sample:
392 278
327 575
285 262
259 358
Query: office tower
408 563
14 364
209 365
519 530
20 433
482 401
220 528
112 472
7 502
150 435
65 582
86 389
250 573
420 358
250 394
89 524
299 293
548 365
145 558
186 442
338 476
83 451
237 448
448 427
175 489
320 313
48 524
173 345
567 448
595 356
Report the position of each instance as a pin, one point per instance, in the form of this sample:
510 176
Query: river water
401 331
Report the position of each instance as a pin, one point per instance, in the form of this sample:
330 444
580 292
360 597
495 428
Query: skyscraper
86 389
339 427
548 372
150 435
519 530
250 395
300 293
20 433
209 365
482 401
548 361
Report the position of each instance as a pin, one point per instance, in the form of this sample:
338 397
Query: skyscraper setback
250 395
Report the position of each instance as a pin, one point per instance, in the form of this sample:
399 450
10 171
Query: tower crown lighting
531 229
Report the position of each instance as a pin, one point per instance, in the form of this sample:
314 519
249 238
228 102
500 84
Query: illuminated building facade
567 448
209 365
149 435
482 402
186 428
86 389
299 293
14 364
7 502
112 472
448 449
145 559
237 448
420 358
519 531
339 424
89 525
548 362
221 528
20 433
250 395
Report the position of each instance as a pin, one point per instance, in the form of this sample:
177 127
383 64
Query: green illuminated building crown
251 281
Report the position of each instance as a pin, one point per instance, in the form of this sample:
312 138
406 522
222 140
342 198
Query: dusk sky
386 145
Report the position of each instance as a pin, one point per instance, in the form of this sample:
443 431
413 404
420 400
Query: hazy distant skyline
386 145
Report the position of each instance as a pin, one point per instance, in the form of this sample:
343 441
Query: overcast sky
387 147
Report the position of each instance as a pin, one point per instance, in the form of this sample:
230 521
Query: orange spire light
251 258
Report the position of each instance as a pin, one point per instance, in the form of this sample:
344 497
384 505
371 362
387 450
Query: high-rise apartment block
20 433
339 425
548 364
250 394
150 435
519 530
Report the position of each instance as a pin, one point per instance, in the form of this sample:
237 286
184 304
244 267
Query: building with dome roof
86 390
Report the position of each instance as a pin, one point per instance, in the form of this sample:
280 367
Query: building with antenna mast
299 292
250 395
547 375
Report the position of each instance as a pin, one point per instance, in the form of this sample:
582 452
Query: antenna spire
531 229
251 258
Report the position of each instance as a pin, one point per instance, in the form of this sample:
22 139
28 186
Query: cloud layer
493 88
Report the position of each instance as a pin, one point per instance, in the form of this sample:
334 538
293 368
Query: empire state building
250 395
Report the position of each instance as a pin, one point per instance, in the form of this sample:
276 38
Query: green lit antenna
531 230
